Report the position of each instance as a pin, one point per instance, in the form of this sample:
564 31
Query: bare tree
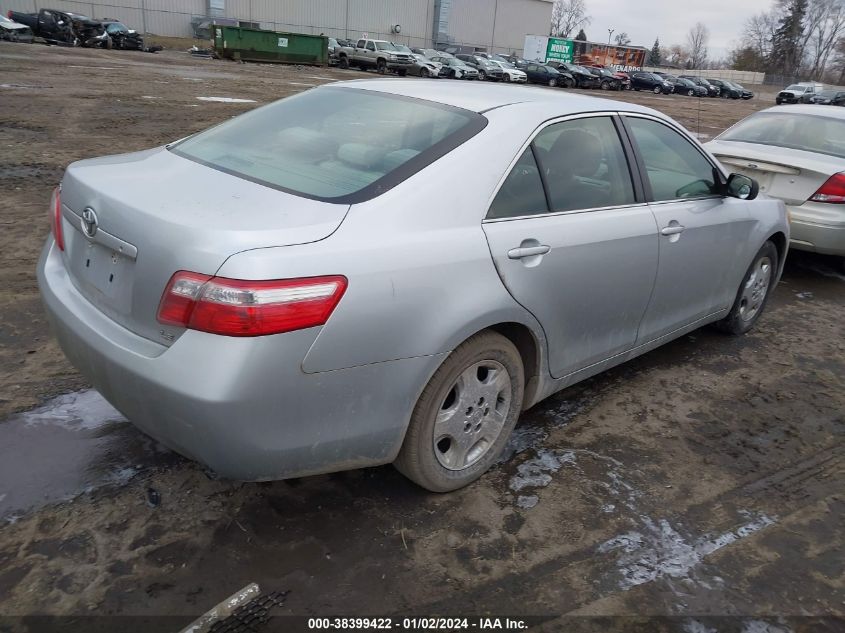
567 16
622 39
825 23
676 55
759 31
697 40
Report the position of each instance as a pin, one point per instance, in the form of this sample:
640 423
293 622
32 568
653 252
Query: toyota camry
320 284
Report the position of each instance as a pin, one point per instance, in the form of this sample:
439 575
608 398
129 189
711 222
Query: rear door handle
672 230
528 251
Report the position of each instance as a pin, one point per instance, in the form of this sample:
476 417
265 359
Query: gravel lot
703 479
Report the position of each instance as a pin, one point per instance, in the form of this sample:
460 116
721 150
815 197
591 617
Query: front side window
584 165
331 143
675 168
370 46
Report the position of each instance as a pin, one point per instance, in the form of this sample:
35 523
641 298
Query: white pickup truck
378 54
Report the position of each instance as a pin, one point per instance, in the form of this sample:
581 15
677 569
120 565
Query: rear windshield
794 131
334 144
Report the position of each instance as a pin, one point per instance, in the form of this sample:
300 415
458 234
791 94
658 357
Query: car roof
830 113
488 96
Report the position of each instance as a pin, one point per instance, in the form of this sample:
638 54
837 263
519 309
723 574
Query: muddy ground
703 479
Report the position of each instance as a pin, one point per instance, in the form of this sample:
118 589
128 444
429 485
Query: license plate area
105 276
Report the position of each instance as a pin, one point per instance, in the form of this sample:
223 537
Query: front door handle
528 251
673 229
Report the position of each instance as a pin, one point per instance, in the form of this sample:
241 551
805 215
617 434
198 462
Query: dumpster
254 45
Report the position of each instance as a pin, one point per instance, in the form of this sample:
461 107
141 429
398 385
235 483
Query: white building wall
499 25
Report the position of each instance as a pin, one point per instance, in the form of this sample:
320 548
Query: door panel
572 244
591 289
702 234
697 272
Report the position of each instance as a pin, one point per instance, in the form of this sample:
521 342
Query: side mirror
742 187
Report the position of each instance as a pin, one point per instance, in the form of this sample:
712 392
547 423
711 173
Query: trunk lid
157 213
789 174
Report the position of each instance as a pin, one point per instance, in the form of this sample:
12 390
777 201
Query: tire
568 83
381 67
402 72
344 62
467 440
482 75
424 73
657 90
753 292
552 83
507 79
636 89
690 93
605 85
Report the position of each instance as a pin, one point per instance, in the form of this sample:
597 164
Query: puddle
73 444
226 100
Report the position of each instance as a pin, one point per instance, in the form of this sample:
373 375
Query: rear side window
334 144
584 165
522 192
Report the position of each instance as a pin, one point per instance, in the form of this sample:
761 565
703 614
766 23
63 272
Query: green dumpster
254 45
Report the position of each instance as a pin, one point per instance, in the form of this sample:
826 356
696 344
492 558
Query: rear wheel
753 292
464 415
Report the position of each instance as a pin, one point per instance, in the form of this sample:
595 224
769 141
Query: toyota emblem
89 222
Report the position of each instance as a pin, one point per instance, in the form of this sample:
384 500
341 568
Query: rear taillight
832 191
235 307
56 217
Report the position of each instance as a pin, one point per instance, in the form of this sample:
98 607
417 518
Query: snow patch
536 472
226 100
660 550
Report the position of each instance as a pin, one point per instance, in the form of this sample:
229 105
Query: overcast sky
644 20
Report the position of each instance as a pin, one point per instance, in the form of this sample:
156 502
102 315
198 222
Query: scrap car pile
64 28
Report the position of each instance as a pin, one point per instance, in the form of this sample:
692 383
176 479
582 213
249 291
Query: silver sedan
797 153
321 284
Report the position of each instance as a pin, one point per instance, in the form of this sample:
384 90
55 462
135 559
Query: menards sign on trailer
547 49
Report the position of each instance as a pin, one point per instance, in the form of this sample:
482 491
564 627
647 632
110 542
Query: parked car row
72 29
428 62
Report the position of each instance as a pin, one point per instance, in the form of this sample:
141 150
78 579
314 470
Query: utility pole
609 34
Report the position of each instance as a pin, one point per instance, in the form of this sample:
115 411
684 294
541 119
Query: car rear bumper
242 406
818 227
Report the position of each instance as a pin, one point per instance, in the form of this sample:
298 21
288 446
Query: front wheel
552 83
753 292
690 93
568 83
424 73
507 78
381 67
464 415
605 85
344 62
657 90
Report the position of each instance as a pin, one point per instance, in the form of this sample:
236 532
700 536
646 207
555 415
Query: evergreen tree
582 37
787 52
654 54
